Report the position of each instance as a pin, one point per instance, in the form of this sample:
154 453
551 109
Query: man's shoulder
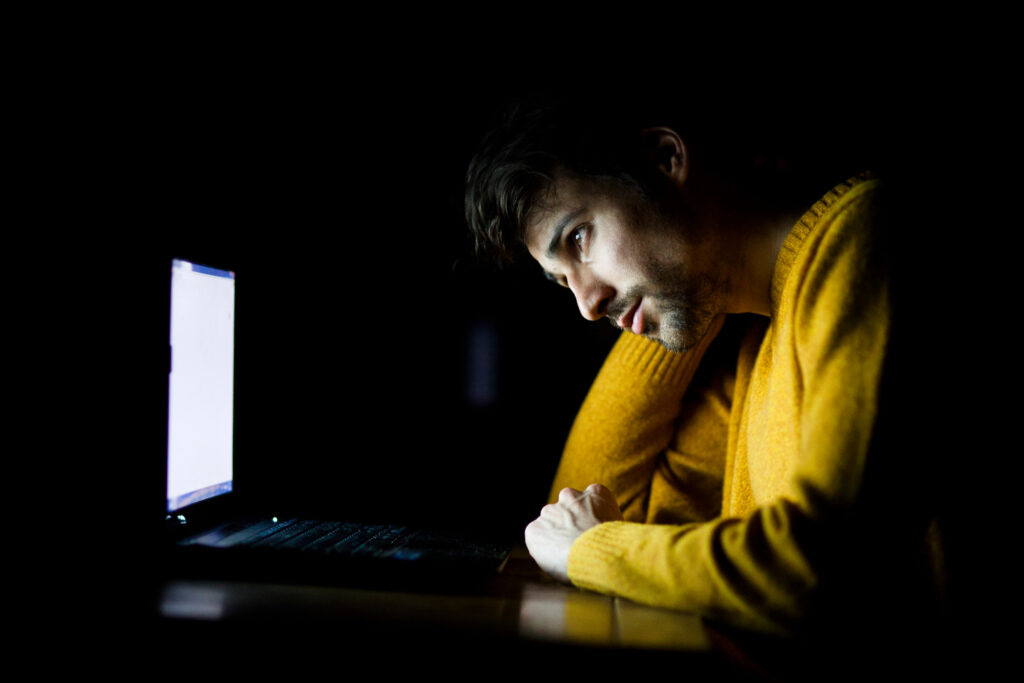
854 204
851 221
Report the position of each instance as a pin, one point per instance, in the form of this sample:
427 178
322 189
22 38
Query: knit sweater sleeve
628 419
771 567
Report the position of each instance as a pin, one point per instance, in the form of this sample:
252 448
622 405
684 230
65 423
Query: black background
338 202
327 171
333 149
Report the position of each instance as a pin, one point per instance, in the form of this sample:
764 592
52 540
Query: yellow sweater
741 465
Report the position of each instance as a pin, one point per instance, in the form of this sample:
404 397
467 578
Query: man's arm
628 420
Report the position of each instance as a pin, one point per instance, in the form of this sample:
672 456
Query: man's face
646 270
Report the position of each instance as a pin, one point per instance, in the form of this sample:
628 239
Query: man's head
518 160
599 202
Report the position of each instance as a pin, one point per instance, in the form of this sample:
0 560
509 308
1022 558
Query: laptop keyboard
312 536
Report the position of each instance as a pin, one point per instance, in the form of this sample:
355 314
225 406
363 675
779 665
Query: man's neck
758 252
751 230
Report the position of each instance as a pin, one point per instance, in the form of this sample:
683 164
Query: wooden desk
513 621
520 623
522 602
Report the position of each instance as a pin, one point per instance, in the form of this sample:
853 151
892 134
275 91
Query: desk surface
516 622
521 602
520 611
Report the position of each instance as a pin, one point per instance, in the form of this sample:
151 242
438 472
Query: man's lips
633 319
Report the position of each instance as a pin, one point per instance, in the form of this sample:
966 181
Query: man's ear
666 151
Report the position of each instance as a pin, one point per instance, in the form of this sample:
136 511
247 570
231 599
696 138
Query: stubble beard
686 307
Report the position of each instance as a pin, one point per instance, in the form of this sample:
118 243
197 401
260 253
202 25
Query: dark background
333 151
338 202
337 199
330 178
336 196
340 209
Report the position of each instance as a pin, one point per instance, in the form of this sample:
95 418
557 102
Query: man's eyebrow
559 228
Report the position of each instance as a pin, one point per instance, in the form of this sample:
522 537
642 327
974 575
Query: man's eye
578 236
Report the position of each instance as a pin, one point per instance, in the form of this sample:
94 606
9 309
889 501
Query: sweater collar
799 232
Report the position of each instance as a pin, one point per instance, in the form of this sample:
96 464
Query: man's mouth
633 318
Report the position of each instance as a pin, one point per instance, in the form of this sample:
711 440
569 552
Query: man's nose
592 296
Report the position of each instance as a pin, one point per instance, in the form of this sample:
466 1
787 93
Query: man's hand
550 536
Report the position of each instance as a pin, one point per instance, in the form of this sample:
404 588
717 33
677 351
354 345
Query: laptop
210 535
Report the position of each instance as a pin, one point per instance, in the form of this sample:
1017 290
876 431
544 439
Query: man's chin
674 346
671 338
681 338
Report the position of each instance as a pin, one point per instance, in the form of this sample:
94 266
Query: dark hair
517 160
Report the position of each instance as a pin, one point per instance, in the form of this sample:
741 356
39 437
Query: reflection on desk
517 618
559 613
520 621
520 603
542 612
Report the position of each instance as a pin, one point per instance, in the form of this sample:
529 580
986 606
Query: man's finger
568 495
551 511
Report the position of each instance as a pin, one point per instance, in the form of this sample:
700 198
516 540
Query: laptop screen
201 384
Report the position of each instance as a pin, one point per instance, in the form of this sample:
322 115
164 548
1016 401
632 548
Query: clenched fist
550 536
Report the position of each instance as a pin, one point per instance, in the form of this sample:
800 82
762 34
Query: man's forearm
628 419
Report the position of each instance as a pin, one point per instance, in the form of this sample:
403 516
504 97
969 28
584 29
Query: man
734 456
